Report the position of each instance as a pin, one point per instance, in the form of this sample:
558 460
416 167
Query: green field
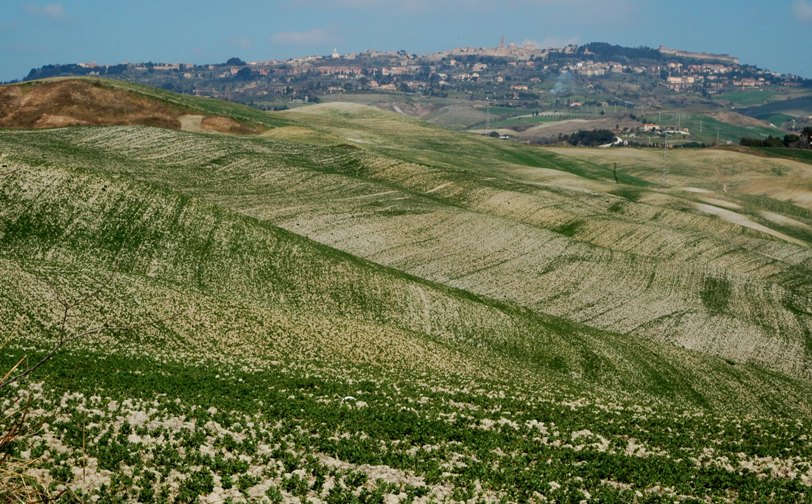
800 155
749 98
797 107
704 128
357 306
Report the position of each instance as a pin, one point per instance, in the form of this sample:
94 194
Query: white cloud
315 36
53 11
802 11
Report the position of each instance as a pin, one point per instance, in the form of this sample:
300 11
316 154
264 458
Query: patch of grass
778 119
570 228
796 106
794 154
630 193
756 97
715 294
755 201
726 131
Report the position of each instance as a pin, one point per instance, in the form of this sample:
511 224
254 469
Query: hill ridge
38 226
275 180
60 102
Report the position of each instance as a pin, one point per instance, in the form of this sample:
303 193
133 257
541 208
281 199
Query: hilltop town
510 74
634 96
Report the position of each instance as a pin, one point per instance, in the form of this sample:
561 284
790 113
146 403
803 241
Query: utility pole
665 161
487 114
717 135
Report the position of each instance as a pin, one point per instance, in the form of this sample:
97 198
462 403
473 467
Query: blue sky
772 34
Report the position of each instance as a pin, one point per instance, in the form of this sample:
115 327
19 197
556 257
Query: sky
771 34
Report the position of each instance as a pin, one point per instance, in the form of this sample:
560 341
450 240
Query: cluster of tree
590 138
71 70
802 141
604 51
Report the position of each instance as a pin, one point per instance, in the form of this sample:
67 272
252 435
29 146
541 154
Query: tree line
791 141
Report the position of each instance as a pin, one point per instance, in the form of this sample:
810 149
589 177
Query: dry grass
73 102
227 125
66 102
722 171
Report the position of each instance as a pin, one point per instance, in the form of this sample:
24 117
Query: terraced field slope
546 232
356 306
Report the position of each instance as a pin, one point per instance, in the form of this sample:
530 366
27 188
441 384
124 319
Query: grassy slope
207 106
413 141
797 107
556 239
252 337
800 155
745 98
242 306
777 178
727 131
205 270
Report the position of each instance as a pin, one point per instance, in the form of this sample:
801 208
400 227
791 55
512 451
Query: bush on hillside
591 138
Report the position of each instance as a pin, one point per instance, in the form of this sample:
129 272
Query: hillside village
513 75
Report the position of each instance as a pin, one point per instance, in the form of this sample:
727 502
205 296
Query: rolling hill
355 305
60 102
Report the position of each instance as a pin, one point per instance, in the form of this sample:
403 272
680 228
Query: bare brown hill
74 102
